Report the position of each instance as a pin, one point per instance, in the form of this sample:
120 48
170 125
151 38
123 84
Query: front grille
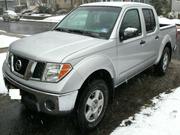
24 68
20 64
39 69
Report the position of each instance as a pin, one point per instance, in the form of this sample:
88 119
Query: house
10 4
176 8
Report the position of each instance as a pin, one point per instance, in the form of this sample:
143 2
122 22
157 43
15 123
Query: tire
92 105
162 66
6 19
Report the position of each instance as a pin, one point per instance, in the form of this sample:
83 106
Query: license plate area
14 94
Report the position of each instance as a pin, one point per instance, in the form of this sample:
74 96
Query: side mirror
128 33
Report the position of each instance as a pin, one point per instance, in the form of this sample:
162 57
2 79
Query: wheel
163 64
6 19
92 104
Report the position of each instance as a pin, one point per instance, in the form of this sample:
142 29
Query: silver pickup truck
76 66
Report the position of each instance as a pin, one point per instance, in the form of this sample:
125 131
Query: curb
12 34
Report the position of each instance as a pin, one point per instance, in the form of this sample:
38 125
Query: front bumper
43 101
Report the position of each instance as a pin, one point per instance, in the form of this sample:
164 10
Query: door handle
157 37
142 42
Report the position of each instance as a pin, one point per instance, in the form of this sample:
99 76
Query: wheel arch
166 42
98 74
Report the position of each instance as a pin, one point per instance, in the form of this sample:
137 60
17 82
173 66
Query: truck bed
168 30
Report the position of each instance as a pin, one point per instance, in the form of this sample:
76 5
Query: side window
131 25
149 20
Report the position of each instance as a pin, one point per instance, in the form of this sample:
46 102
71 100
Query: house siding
176 5
10 4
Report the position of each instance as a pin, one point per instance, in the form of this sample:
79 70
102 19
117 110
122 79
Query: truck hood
52 46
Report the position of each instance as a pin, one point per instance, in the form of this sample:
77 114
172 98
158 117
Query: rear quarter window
149 18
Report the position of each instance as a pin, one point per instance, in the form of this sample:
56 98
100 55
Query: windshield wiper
96 35
86 33
63 30
70 30
92 34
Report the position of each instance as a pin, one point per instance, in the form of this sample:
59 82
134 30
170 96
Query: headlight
55 72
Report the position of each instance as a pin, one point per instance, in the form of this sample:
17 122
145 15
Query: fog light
49 105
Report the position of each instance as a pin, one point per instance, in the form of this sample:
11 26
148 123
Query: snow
10 12
2 85
6 40
161 119
39 15
176 21
163 20
2 31
54 18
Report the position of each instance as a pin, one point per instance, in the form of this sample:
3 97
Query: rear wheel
92 104
163 64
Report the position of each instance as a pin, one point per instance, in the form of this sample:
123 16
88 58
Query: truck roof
118 4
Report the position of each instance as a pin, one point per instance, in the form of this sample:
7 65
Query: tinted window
131 20
149 20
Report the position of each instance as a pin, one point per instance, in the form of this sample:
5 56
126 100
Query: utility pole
6 4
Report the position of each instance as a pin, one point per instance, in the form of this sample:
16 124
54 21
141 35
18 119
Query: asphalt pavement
26 27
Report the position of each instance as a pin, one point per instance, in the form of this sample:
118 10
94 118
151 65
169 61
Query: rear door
151 32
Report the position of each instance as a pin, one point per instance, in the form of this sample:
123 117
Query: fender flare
91 64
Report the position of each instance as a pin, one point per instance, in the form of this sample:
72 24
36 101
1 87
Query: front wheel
92 104
162 66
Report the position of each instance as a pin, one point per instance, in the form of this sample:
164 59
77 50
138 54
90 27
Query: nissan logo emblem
18 65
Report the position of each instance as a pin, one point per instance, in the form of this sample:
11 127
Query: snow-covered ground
3 31
2 85
161 119
54 19
6 40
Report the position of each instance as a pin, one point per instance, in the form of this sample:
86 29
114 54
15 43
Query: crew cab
77 65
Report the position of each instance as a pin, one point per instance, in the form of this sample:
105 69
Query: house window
66 1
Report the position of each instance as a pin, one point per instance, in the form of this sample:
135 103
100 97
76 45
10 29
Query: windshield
90 21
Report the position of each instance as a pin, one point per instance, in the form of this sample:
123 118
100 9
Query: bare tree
28 3
19 2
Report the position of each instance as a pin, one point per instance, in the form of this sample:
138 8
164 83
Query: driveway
26 27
